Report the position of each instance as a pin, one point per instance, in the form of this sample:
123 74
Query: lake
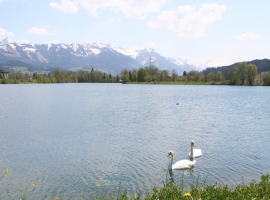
65 138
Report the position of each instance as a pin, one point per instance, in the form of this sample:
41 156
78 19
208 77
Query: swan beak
170 154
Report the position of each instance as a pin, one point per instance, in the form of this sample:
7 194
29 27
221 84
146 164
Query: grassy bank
172 191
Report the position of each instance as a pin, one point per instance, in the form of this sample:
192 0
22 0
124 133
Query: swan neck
191 151
170 163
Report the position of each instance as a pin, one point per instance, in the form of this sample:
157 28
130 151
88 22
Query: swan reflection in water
172 174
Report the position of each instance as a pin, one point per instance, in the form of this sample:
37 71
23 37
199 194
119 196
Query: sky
217 32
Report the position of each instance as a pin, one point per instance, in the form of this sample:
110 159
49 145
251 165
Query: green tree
193 75
35 75
163 75
134 75
174 75
219 76
130 75
53 79
241 72
232 76
184 73
202 77
210 76
124 78
126 73
40 79
5 81
266 78
92 76
141 74
151 70
252 72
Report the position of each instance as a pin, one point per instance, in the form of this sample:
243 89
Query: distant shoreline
191 83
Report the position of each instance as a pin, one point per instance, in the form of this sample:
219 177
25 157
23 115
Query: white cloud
39 31
165 19
193 24
150 45
66 6
10 34
248 36
186 9
131 8
114 20
188 21
4 32
134 48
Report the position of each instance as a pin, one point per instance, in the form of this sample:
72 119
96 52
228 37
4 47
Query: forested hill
263 65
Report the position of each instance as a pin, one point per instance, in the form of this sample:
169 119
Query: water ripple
66 138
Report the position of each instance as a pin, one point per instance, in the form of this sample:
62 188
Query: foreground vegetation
172 191
242 74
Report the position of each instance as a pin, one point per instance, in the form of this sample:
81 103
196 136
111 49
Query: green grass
196 191
172 191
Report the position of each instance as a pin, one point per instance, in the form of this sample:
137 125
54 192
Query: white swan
181 164
194 153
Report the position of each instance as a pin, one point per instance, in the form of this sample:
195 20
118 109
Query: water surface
67 137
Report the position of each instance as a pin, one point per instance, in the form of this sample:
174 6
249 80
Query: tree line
57 76
242 74
263 65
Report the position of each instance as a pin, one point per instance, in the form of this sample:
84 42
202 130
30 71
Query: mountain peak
6 41
84 56
150 50
101 45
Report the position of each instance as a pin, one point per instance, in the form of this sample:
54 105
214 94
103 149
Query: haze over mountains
85 56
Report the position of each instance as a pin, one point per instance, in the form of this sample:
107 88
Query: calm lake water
67 137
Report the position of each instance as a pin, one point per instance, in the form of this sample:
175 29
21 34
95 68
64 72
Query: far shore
191 83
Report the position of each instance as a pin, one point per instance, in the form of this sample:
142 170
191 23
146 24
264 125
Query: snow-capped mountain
85 56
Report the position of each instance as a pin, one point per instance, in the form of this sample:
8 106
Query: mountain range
85 56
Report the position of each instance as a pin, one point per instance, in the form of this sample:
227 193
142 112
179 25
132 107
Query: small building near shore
4 73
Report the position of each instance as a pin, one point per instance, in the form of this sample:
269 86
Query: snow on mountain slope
91 55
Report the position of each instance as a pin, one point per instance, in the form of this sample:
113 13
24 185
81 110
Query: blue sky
218 31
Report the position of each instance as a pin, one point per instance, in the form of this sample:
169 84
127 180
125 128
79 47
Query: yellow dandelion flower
33 185
187 194
100 181
56 198
7 170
